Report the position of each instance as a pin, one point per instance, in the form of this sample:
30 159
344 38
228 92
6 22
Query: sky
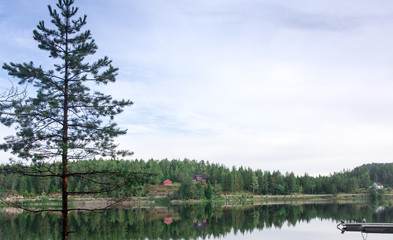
295 86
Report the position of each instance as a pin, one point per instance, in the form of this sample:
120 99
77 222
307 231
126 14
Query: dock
366 227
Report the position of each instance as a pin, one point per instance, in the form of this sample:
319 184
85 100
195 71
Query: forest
220 179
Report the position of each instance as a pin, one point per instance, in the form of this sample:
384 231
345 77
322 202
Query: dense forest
220 179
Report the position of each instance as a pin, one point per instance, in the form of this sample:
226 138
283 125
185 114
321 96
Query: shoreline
233 200
226 201
229 199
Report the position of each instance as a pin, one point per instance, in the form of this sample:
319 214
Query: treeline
219 178
114 178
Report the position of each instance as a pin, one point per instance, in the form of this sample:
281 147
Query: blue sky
302 86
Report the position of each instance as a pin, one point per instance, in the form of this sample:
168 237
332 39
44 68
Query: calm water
308 221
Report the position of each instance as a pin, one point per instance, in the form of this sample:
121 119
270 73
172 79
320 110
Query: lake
277 221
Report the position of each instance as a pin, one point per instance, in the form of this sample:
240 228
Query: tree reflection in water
182 222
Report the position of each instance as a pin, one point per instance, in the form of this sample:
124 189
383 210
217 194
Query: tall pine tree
65 120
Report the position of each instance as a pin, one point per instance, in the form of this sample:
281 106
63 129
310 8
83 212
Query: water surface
206 221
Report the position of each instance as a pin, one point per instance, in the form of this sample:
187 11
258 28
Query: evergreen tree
187 188
255 183
65 120
199 191
290 180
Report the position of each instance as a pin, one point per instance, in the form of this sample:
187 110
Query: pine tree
187 188
65 120
255 183
209 191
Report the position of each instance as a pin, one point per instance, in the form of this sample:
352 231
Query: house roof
165 180
167 220
202 176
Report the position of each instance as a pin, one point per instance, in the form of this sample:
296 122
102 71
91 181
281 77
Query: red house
167 220
198 178
166 182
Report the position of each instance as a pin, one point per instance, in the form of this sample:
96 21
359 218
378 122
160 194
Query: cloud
279 86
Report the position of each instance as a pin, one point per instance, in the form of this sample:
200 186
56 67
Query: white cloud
290 86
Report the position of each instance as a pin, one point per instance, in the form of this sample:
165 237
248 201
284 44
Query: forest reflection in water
190 222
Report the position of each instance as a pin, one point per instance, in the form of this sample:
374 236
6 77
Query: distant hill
378 172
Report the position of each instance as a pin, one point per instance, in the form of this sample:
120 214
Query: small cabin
198 178
378 185
166 182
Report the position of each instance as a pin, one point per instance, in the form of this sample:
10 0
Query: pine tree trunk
65 202
65 146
